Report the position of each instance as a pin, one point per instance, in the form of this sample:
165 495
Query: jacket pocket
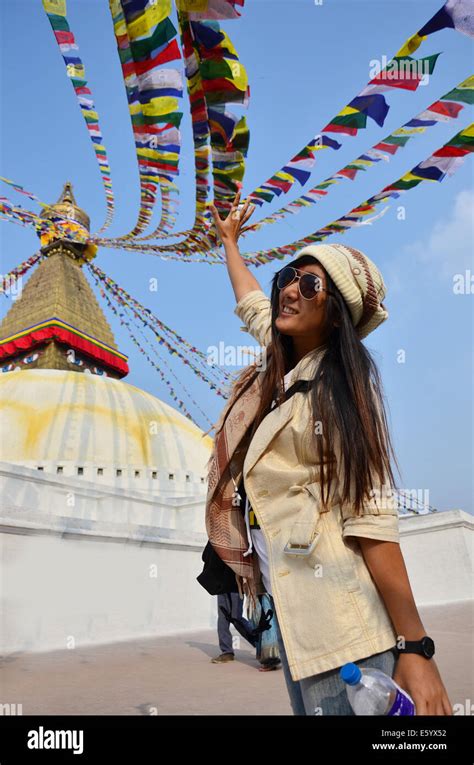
335 554
304 527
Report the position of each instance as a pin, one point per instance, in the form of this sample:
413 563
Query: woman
315 468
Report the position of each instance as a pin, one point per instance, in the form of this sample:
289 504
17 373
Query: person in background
232 603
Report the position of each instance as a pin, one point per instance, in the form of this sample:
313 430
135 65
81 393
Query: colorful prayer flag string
56 12
160 330
125 322
402 72
446 108
145 37
214 77
444 161
442 110
12 277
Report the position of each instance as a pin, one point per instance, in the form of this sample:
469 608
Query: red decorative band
66 335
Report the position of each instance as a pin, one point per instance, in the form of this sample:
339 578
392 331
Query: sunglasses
308 284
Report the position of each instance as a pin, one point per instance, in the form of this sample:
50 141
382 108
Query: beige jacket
329 609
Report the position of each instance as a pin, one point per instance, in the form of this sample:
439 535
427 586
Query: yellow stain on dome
123 424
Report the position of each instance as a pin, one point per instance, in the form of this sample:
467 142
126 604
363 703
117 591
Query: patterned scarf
225 520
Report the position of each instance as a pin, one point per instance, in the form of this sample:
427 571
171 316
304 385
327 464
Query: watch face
428 647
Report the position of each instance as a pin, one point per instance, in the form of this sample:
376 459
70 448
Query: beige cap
358 279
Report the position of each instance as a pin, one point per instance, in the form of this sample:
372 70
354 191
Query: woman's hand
421 679
230 228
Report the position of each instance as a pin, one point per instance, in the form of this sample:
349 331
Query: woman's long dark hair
346 401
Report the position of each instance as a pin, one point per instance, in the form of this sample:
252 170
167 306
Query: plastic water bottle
372 692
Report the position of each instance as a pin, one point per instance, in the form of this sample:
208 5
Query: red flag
448 108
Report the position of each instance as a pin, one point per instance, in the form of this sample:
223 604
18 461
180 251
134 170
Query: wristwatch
425 647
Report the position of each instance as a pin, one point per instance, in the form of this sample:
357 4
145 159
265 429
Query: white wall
97 570
92 564
438 551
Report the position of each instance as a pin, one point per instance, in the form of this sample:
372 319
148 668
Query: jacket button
262 493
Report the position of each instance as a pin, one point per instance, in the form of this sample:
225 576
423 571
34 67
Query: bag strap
299 386
303 386
304 534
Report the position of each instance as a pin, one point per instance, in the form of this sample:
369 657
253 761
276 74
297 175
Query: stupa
59 415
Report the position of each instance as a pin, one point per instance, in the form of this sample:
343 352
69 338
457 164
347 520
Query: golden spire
67 207
57 322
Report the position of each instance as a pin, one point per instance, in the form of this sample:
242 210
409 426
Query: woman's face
306 318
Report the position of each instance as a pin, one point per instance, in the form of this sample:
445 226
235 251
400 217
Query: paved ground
174 675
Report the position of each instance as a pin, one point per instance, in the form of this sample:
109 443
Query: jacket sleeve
378 521
255 311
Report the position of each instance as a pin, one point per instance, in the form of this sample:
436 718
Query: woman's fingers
446 708
247 214
236 201
234 207
238 215
248 209
212 209
244 220
421 707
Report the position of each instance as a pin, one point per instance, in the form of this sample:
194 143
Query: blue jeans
325 694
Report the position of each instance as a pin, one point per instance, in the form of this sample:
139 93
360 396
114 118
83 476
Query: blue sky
305 62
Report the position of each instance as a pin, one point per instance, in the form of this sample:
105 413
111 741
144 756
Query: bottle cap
350 673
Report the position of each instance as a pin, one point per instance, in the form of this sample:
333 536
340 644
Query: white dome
53 420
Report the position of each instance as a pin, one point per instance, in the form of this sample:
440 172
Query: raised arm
229 231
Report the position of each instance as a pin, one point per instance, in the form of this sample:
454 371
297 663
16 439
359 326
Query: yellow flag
151 16
76 71
285 176
191 5
90 113
154 154
226 43
158 106
120 28
232 172
316 146
55 6
347 110
239 75
469 131
413 177
469 83
411 45
409 131
115 7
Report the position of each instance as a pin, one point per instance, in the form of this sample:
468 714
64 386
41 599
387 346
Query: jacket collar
305 369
